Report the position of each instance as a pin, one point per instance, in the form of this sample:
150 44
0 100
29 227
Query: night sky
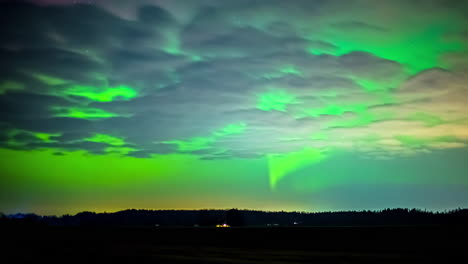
260 104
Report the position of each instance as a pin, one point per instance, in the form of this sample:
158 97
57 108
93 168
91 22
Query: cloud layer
241 79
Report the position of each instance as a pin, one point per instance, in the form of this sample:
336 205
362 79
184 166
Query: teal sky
273 105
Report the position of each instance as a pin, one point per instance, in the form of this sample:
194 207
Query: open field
239 245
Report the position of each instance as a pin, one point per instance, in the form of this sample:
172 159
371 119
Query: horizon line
242 209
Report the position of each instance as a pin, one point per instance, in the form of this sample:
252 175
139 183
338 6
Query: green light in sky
128 182
332 71
103 94
361 120
192 144
374 86
119 150
426 118
86 169
368 85
196 58
231 129
200 143
10 86
275 100
418 49
285 70
49 80
290 69
43 137
282 165
82 112
318 48
172 45
46 137
103 138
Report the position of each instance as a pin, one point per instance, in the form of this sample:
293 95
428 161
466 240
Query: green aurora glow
298 105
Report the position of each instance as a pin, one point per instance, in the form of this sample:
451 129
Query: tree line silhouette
237 218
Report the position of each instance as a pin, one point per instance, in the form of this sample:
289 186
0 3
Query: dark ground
238 245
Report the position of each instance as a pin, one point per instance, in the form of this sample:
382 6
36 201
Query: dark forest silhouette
237 218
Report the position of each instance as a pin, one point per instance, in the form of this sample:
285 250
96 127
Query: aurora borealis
259 104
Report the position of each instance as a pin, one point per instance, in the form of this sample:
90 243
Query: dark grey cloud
366 65
28 107
193 69
358 25
243 42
